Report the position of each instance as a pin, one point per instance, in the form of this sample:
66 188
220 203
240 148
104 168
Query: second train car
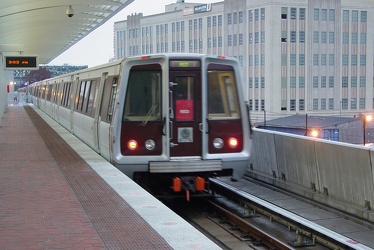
177 117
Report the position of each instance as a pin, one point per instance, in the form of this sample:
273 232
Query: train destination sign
21 62
184 64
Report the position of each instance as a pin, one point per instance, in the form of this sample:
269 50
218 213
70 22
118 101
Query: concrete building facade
298 56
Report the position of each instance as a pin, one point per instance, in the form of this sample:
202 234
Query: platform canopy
43 28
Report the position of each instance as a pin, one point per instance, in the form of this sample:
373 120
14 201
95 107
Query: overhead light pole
366 118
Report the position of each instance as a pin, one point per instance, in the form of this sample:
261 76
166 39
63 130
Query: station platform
56 193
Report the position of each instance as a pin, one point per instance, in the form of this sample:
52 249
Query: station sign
26 62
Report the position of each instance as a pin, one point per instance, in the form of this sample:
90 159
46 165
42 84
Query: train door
185 113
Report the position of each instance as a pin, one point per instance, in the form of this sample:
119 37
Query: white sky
97 47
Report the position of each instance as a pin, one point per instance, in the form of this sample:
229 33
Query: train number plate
185 134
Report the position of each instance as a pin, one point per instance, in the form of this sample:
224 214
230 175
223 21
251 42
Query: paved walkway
51 199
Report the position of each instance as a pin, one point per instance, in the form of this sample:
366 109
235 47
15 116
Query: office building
298 57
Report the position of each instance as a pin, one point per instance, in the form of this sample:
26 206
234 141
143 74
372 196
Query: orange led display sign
21 62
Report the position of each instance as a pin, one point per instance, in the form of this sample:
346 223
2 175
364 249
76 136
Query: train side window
82 88
222 93
143 96
49 92
113 95
91 97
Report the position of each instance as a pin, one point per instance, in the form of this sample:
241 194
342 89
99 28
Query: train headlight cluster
150 144
132 144
232 142
218 143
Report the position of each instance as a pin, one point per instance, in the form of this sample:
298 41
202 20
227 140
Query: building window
262 105
301 104
256 105
240 16
301 59
332 15
302 13
250 38
345 16
363 16
345 60
229 18
315 59
354 16
315 104
262 13
262 82
363 38
331 81
354 81
292 104
345 37
362 60
302 37
324 15
362 103
323 104
301 82
315 81
250 60
362 81
331 103
331 60
262 37
354 38
229 40
293 37
256 82
353 103
293 59
323 37
323 59
323 81
316 14
293 13
256 37
240 39
256 15
331 37
315 37
262 59
344 82
284 13
292 82
353 60
345 103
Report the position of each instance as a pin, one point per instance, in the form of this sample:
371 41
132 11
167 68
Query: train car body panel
182 129
161 115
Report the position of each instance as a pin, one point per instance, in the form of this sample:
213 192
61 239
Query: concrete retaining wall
337 174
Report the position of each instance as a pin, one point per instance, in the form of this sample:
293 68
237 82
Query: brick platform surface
51 199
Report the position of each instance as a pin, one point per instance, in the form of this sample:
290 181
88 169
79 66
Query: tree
38 75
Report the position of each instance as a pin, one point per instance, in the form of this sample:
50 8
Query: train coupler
194 184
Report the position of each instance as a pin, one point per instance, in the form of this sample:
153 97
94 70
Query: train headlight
218 143
132 144
150 144
233 142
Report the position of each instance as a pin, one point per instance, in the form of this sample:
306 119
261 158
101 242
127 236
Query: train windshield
222 94
143 96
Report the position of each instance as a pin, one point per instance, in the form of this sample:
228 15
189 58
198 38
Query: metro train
180 118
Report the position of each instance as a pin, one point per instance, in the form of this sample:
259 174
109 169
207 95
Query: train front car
182 119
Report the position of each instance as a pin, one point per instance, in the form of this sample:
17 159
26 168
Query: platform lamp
366 118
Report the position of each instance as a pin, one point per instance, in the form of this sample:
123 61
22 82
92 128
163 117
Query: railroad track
294 231
238 220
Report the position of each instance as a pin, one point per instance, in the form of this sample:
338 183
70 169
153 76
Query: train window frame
225 81
154 111
113 96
